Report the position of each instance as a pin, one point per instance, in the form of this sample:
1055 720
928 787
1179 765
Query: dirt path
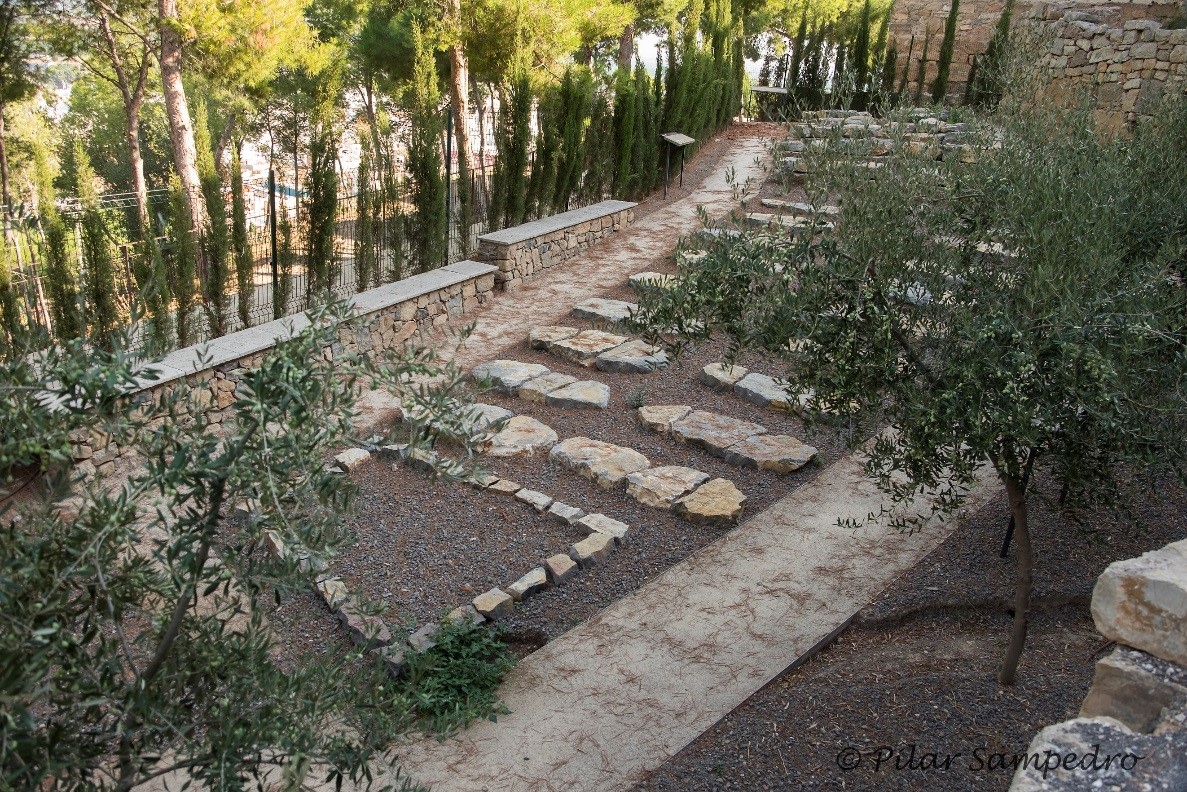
648 243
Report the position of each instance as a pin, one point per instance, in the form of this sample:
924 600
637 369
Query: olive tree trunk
1023 579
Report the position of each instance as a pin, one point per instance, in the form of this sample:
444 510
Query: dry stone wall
977 19
523 251
1125 68
390 316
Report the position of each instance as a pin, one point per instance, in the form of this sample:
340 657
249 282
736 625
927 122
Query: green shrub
457 680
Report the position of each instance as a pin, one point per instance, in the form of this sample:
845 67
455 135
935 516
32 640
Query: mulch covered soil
929 681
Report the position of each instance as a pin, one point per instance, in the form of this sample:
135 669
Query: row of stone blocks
1132 729
602 535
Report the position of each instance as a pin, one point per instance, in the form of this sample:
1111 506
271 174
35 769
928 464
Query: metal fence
269 276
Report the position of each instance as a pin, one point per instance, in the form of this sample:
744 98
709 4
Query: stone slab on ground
719 375
716 503
531 583
1142 602
713 432
545 336
479 417
537 500
504 487
634 357
777 453
1160 766
600 523
494 604
592 550
351 458
507 375
584 348
565 513
660 417
538 389
521 436
1134 688
615 697
603 463
763 390
608 312
582 393
560 568
662 486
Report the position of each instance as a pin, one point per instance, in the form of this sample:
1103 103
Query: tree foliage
996 313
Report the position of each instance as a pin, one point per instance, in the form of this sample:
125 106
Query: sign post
674 140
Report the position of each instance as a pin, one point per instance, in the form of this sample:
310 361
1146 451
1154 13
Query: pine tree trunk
132 136
459 95
4 197
1024 568
181 128
626 47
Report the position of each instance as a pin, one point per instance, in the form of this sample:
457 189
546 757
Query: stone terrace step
611 353
737 442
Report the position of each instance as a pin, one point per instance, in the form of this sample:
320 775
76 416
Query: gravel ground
930 681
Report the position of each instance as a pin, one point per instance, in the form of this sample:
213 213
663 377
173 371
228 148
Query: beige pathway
617 696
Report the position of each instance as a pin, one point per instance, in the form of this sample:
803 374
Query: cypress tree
509 203
969 86
286 258
646 154
11 328
240 248
889 68
939 87
428 225
902 85
183 265
61 279
861 55
624 133
366 249
797 54
99 279
575 100
989 85
321 261
215 243
921 70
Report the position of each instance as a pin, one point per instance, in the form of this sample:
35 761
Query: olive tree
1021 308
136 635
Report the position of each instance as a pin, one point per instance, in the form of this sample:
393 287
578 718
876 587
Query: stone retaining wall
390 316
522 251
977 19
1132 729
1125 67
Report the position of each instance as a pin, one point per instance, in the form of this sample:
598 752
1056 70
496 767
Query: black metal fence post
448 176
277 310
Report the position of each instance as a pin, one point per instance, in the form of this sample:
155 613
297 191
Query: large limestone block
661 486
1099 753
777 453
584 348
633 357
583 393
538 389
1134 688
717 503
603 463
507 375
1142 602
719 375
521 435
715 433
604 311
660 417
764 390
545 336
